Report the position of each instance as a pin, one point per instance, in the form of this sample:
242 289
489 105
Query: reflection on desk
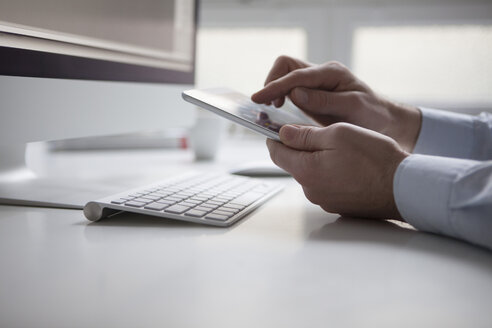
289 264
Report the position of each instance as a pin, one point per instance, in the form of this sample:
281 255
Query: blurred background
433 53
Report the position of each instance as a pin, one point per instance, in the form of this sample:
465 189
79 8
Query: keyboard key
133 203
227 196
228 214
204 209
143 200
178 195
156 206
177 209
185 203
186 193
228 209
161 193
213 206
208 194
201 198
166 201
196 202
181 195
234 206
154 198
175 199
216 217
119 201
195 213
215 202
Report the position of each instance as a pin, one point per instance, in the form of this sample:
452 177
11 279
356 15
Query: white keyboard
218 200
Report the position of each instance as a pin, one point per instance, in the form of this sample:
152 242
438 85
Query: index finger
282 66
282 86
325 77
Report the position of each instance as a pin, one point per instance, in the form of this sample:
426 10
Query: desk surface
289 264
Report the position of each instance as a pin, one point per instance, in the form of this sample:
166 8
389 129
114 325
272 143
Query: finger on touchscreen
283 85
282 66
279 102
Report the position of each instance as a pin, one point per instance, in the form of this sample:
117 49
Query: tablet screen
242 106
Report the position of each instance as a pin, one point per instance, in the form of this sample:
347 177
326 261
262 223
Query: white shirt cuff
422 187
445 134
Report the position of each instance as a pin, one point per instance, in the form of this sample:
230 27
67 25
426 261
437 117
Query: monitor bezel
33 63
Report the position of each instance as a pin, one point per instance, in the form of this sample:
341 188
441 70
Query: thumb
300 137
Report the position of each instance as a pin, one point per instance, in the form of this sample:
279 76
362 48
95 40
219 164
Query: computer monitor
71 68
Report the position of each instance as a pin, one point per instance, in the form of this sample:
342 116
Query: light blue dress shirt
445 186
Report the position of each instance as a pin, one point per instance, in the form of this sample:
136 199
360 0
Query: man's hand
343 168
330 93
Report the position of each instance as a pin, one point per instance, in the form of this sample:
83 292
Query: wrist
405 126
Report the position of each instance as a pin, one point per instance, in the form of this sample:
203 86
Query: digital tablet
240 109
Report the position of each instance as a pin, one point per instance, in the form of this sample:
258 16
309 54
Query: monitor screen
116 40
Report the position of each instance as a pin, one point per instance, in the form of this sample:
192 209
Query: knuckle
282 59
339 131
337 69
306 136
336 65
355 103
358 100
297 74
274 84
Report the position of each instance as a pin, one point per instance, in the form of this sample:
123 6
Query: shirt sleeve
455 135
447 196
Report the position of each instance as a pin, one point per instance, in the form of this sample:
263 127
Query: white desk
288 264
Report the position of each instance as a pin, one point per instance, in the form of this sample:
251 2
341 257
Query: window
391 45
440 64
240 58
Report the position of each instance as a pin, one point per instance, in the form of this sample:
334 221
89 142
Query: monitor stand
21 186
